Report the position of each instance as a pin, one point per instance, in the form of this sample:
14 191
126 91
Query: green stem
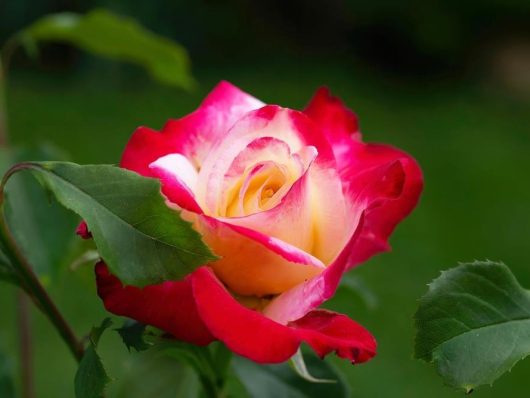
30 280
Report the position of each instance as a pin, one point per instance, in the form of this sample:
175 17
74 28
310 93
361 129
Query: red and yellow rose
289 201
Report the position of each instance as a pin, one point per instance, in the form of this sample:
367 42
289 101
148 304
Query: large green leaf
473 324
265 381
142 240
91 378
103 33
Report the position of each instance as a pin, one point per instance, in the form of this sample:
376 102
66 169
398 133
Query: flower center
259 188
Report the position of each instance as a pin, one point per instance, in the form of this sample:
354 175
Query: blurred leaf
142 240
201 360
355 285
298 363
91 377
473 324
151 374
132 334
7 273
221 357
43 228
265 381
103 33
7 387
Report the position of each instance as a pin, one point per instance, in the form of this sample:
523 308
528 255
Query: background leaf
473 324
132 334
103 33
151 374
43 228
7 387
265 381
91 377
142 240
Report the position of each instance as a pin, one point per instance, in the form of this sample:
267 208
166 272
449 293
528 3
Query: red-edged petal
169 306
254 264
252 335
192 135
327 331
380 185
336 121
381 220
178 178
144 147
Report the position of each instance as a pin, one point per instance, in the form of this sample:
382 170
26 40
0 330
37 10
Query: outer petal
168 306
380 186
336 121
327 331
250 334
380 220
192 135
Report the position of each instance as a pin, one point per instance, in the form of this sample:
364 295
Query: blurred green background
449 82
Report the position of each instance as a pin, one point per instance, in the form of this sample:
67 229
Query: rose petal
292 127
254 264
293 213
250 334
82 231
337 121
380 221
192 135
169 306
380 185
327 331
178 177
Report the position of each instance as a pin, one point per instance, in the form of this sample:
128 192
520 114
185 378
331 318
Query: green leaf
103 33
97 331
91 377
141 239
221 359
264 381
42 228
151 374
132 334
473 324
7 387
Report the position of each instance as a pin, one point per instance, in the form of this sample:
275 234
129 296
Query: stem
24 326
30 280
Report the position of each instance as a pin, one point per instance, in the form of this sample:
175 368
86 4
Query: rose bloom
289 201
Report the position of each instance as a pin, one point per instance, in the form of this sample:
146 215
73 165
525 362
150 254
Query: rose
289 200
